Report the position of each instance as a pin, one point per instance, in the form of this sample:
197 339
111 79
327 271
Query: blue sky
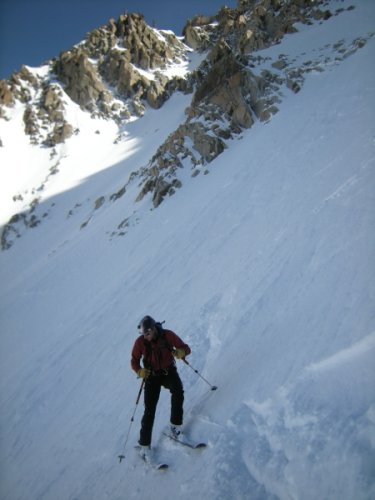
33 31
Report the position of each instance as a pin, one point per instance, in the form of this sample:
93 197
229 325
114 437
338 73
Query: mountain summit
222 182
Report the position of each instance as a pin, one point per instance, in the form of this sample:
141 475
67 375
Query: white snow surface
265 266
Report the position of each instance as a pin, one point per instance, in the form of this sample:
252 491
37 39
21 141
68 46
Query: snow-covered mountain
222 182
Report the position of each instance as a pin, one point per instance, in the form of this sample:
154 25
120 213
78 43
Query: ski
157 466
152 463
186 442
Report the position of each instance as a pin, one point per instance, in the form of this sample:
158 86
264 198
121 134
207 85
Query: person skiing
158 349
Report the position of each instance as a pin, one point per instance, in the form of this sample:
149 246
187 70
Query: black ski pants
170 380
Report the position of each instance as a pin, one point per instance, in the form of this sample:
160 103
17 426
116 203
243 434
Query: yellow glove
144 373
179 353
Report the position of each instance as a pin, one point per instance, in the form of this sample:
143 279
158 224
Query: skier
158 348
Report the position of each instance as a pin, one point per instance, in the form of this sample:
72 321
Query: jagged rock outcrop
228 95
119 69
224 85
198 32
44 113
253 25
161 175
19 87
80 78
105 75
6 94
118 54
45 122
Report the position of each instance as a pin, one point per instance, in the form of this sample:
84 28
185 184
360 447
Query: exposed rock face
127 56
253 24
17 88
119 51
228 95
6 95
80 78
113 57
198 31
224 85
44 114
118 70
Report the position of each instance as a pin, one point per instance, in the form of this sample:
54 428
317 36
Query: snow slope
264 266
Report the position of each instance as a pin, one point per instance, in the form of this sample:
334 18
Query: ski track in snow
263 267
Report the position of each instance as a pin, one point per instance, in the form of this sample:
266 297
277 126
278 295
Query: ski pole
122 456
213 387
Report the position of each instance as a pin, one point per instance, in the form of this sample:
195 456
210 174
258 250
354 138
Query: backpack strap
163 344
147 356
162 336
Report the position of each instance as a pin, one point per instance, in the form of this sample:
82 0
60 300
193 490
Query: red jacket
156 354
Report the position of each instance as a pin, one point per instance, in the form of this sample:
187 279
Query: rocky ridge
118 70
103 75
230 93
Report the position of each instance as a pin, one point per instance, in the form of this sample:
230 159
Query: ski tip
200 445
162 467
214 388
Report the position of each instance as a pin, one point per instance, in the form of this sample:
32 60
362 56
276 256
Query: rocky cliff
119 69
